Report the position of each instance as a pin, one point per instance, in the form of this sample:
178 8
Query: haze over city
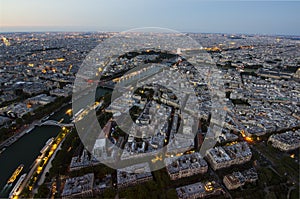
252 17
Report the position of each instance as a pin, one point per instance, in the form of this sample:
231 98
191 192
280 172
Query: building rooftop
184 162
78 185
133 173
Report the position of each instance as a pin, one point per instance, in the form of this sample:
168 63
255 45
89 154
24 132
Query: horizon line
9 29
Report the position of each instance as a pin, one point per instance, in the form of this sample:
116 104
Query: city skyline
244 17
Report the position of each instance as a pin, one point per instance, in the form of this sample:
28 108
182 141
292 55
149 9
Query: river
27 148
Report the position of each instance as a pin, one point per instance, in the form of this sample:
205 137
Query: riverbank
27 148
47 167
24 151
15 138
27 128
41 163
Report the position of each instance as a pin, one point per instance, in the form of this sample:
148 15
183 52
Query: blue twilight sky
268 17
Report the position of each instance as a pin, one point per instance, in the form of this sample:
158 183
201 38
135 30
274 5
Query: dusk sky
254 17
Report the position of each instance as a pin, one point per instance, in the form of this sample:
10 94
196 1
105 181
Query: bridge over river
56 123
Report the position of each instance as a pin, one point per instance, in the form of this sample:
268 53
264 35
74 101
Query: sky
250 17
